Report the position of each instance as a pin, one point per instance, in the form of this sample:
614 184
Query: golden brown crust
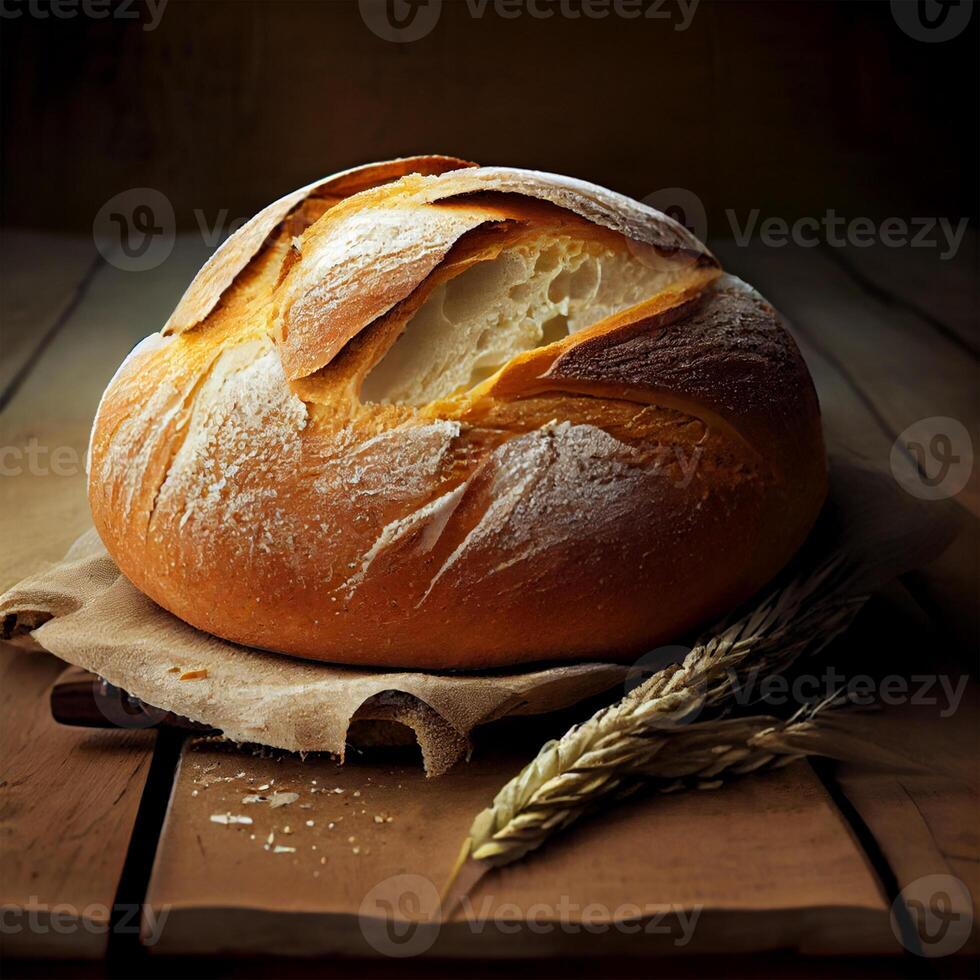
595 497
371 251
355 267
218 273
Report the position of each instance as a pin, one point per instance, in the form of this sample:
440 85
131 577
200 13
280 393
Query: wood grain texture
924 817
938 284
44 429
924 823
41 277
904 368
68 801
761 864
878 369
69 796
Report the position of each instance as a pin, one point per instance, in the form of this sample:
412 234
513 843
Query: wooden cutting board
764 863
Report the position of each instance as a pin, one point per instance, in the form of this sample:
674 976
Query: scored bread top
218 273
383 236
422 394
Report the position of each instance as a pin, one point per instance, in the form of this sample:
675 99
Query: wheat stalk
638 740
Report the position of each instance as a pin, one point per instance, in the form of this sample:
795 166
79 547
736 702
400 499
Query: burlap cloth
84 611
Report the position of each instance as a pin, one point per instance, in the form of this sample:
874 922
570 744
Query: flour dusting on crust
399 464
243 436
558 484
430 521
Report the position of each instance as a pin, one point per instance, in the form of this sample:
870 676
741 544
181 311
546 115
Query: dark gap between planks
24 371
125 951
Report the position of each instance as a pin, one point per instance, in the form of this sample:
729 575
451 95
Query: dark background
789 107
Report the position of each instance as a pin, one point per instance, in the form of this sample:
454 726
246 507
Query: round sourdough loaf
426 414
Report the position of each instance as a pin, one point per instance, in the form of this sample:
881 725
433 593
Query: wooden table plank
943 290
69 796
903 367
42 276
763 863
923 823
943 294
68 802
859 402
45 428
924 818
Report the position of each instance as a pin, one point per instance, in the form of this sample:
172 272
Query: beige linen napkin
84 611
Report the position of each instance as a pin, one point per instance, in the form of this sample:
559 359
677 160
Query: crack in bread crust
569 505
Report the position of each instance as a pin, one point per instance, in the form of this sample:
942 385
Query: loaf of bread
431 415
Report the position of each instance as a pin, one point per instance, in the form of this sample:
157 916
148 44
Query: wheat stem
638 740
